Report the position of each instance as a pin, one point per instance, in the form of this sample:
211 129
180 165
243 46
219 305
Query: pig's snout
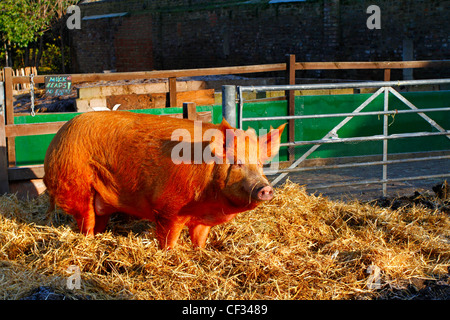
264 193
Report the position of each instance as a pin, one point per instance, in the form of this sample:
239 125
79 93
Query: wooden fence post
4 181
290 97
172 92
387 74
9 108
189 111
9 112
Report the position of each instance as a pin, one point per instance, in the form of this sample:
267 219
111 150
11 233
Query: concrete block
142 88
82 105
97 103
110 91
87 93
147 88
190 85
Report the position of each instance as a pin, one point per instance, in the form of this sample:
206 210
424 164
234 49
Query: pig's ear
269 144
223 147
224 126
220 139
229 134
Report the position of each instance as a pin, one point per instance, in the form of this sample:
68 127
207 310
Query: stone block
82 105
97 103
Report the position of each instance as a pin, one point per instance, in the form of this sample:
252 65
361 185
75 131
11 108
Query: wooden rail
9 130
25 72
91 77
371 65
34 129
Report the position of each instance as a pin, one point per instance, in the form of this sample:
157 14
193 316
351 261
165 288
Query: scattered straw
297 246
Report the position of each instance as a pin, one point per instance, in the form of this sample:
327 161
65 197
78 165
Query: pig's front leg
168 231
199 234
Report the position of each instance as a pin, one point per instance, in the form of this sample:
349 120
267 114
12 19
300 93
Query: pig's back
122 148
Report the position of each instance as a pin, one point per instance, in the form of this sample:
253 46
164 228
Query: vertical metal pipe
241 107
385 141
229 104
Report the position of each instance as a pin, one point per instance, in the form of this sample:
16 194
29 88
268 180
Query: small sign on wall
59 85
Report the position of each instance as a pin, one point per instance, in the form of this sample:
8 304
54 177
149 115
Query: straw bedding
297 246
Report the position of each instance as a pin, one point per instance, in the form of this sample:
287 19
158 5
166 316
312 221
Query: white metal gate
385 88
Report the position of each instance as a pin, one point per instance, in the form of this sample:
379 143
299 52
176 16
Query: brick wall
197 33
133 44
93 48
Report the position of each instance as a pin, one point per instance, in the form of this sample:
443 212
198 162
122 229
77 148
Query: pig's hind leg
84 213
90 211
103 212
92 215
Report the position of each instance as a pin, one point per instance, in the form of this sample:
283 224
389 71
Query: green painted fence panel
31 149
314 129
